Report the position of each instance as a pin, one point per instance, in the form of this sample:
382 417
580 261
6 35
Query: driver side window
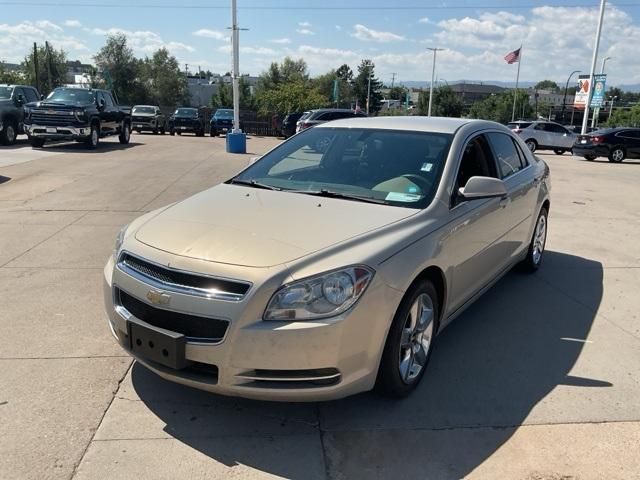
477 161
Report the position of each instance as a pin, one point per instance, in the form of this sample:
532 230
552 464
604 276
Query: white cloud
369 35
304 24
249 50
203 32
338 28
16 40
144 42
72 23
424 20
305 31
281 41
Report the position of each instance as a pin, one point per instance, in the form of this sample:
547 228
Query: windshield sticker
426 167
402 197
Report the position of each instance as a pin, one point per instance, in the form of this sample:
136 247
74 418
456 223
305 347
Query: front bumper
58 132
269 360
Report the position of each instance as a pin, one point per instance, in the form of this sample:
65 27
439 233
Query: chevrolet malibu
328 266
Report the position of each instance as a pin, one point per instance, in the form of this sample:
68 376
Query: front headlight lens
320 296
120 240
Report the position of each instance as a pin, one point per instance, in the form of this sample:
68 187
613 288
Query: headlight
119 240
79 114
320 296
27 113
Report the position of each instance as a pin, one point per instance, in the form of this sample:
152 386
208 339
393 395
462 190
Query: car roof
413 123
150 106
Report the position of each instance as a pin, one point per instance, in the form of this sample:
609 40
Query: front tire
559 151
37 142
213 132
410 341
590 158
532 145
125 134
94 138
538 241
617 155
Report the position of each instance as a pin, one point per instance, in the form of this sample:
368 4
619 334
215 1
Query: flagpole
515 92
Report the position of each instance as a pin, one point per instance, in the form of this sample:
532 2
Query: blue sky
557 35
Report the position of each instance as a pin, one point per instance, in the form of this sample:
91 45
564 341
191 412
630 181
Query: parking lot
540 379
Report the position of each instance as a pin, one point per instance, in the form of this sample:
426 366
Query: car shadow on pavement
489 369
77 147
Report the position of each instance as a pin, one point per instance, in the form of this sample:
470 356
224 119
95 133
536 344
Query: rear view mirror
483 187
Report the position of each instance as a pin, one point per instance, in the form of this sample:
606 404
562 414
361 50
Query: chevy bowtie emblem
158 298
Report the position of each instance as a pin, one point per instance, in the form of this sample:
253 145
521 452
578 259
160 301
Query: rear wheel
410 341
213 132
163 129
559 151
532 145
9 133
538 242
591 158
172 132
37 142
94 137
617 155
125 134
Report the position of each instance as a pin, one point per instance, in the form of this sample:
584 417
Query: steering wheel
423 183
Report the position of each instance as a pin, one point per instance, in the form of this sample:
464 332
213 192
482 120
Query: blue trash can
236 142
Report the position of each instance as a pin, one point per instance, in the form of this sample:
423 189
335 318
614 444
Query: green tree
49 61
366 71
288 71
345 73
9 76
123 68
164 82
625 118
423 103
290 97
547 85
499 107
397 93
446 103
223 98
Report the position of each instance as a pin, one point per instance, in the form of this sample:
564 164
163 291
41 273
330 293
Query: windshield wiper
253 183
345 196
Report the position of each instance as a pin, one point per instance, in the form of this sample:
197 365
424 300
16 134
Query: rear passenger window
506 153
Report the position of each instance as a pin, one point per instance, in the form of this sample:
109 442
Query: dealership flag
513 57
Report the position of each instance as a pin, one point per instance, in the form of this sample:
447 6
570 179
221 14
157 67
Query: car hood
245 226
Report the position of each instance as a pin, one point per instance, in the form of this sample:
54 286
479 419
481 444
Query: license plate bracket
158 345
52 130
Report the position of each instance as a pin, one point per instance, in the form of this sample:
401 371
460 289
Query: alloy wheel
539 239
416 338
617 155
10 134
531 145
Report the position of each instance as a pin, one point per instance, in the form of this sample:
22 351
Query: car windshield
5 92
224 114
143 110
305 115
400 168
513 125
186 112
71 95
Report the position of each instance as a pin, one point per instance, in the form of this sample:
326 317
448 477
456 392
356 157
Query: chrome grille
182 282
40 117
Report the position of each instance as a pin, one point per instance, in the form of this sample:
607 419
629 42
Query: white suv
544 136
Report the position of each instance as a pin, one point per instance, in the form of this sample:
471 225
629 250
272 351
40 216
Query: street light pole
566 87
594 59
435 50
611 106
368 85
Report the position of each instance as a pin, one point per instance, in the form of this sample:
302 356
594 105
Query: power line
297 7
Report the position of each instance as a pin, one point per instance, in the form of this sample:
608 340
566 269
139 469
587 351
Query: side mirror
101 104
21 99
42 97
483 187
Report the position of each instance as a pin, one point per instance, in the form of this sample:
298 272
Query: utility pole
35 66
435 50
564 99
594 59
369 71
235 37
186 70
393 78
611 106
48 62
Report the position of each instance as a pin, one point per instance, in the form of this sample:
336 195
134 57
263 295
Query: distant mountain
630 87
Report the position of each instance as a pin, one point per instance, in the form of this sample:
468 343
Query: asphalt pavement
540 379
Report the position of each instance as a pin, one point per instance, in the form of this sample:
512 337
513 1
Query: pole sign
599 80
335 90
582 95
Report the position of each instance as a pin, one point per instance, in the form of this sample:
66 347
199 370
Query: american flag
513 57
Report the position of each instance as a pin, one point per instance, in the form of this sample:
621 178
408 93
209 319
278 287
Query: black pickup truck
185 120
12 101
80 114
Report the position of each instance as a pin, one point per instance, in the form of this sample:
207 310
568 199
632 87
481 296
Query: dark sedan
289 124
614 143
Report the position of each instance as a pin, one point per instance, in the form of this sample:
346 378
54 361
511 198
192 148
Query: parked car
289 124
185 120
614 143
322 115
149 118
315 275
81 114
12 101
544 135
221 121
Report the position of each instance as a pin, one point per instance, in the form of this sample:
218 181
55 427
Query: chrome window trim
177 288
